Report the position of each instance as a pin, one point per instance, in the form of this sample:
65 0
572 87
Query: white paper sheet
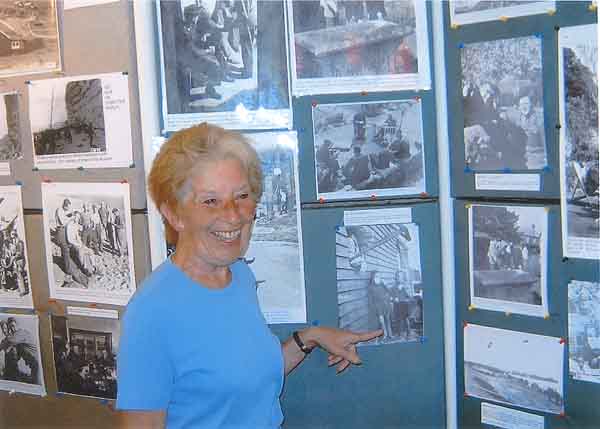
377 216
508 418
461 12
507 182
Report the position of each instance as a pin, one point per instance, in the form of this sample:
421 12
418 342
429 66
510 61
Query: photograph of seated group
299 214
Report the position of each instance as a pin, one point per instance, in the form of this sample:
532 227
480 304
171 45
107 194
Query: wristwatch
300 344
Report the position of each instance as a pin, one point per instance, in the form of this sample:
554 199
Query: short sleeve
144 371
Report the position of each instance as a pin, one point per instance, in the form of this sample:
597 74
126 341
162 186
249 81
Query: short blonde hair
174 165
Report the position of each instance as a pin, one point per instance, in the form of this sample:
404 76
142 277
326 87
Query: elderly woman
195 349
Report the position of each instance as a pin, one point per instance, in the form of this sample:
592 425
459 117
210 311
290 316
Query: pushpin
80 168
314 103
422 340
551 12
423 194
417 97
123 181
373 196
132 165
593 6
563 341
468 205
503 18
465 324
364 93
471 307
315 323
321 200
546 316
454 26
507 313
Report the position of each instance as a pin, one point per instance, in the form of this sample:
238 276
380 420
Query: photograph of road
29 37
515 368
579 148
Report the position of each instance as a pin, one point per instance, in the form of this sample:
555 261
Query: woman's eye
244 196
210 202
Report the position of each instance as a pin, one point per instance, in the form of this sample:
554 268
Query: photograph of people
20 360
508 258
85 350
220 56
195 350
379 280
88 241
503 104
366 148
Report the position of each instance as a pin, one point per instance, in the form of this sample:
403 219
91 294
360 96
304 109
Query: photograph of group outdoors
87 231
67 116
503 104
584 330
580 152
339 44
471 11
515 368
209 53
85 353
379 281
275 251
30 37
20 359
10 133
15 283
508 258
363 149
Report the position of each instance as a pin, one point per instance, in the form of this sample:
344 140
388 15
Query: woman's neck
212 277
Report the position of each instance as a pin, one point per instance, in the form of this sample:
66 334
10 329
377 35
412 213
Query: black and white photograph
20 360
514 368
224 62
85 354
29 37
379 282
362 149
275 251
89 249
10 127
579 149
15 281
503 104
584 330
472 11
81 121
340 46
508 258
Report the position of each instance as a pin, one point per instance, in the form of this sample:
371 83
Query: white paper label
92 312
507 182
507 418
377 216
4 169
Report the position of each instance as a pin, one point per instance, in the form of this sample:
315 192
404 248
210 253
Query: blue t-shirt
205 356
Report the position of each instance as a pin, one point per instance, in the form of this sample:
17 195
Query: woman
195 349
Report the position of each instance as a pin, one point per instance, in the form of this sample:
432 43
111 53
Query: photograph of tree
580 152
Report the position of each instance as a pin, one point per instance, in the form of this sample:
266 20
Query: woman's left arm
340 344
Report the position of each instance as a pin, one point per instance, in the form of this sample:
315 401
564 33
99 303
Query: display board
400 382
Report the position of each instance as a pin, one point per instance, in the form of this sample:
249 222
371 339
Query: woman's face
218 214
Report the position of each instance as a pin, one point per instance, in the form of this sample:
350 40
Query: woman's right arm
141 419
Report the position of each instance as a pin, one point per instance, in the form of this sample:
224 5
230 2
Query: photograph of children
584 330
349 46
508 258
275 251
472 11
515 368
503 104
89 250
20 361
224 61
29 37
10 131
579 149
85 353
15 287
367 148
81 121
379 280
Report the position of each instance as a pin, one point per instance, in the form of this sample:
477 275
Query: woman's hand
340 344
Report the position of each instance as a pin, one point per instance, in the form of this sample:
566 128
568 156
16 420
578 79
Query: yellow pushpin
503 18
546 316
507 313
593 6
551 12
454 26
471 307
547 209
468 206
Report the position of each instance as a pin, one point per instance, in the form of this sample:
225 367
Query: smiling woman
215 363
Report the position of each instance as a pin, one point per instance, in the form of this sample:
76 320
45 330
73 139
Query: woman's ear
171 216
